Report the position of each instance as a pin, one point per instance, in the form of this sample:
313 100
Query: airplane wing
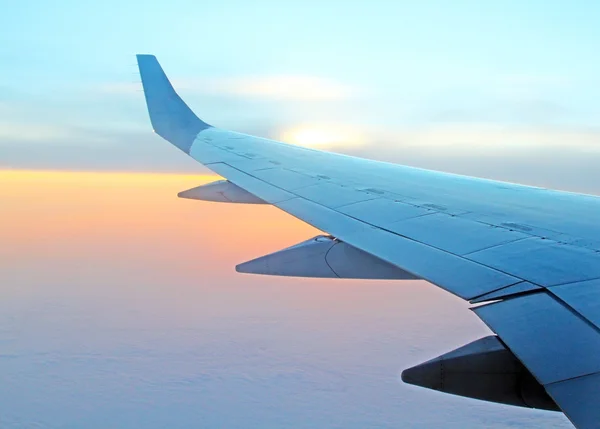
528 258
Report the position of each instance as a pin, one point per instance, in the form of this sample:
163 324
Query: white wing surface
530 254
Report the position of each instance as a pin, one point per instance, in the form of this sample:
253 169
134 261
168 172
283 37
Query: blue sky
465 77
120 307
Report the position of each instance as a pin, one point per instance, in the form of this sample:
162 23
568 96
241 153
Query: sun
313 137
321 136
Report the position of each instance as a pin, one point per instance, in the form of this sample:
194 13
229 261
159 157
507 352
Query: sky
119 303
506 90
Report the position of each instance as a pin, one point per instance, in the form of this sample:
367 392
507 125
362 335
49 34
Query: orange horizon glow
49 208
21 174
85 227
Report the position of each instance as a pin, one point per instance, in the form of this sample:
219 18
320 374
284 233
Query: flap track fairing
324 257
222 191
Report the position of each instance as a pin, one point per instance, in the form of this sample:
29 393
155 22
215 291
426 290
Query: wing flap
557 345
578 399
566 345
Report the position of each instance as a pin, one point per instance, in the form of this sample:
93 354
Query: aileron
579 398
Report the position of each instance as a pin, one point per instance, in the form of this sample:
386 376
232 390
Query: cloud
95 151
492 138
556 158
525 84
34 132
60 134
288 87
5 107
275 87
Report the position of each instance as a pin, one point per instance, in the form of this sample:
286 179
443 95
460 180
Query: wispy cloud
45 133
35 132
288 87
497 138
285 87
531 79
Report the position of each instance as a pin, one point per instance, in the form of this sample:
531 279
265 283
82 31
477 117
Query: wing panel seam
519 279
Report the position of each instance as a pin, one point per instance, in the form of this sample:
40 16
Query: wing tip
146 57
170 116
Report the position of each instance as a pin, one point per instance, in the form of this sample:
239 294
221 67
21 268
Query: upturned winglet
171 118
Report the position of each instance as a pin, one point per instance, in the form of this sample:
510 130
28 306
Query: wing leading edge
478 239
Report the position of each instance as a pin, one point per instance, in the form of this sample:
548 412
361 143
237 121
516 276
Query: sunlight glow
51 211
322 136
